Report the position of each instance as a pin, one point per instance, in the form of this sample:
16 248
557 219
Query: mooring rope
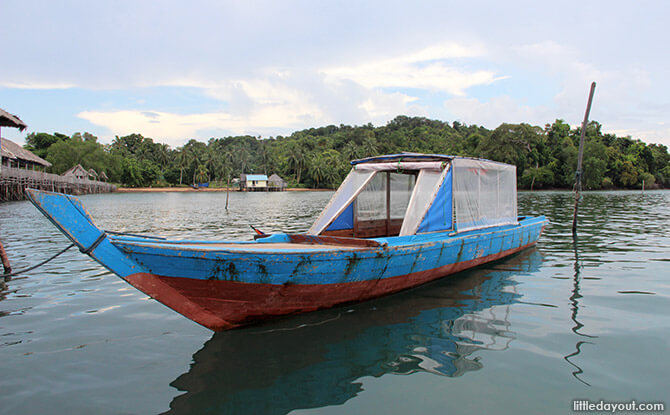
11 274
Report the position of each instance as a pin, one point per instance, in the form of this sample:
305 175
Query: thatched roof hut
9 120
15 154
277 182
76 172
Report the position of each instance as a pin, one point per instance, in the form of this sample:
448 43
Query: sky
175 70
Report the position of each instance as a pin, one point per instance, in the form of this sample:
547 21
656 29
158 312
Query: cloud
263 106
37 85
498 110
425 69
381 107
175 129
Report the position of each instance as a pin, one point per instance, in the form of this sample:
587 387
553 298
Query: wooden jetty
14 181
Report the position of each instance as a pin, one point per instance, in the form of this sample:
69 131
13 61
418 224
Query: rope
38 265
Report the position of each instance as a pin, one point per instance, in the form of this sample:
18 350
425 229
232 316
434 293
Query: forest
546 157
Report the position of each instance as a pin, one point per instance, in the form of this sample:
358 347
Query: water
528 334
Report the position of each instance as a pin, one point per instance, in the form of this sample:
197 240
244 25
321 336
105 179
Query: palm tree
351 151
163 155
195 162
212 162
370 145
202 174
317 168
296 160
183 160
264 155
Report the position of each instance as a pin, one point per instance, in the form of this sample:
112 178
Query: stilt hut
13 155
9 120
77 172
276 183
92 174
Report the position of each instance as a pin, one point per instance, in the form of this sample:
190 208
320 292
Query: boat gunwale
255 247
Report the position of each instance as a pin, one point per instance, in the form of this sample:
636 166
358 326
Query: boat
395 222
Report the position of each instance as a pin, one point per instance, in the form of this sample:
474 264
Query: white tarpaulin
349 189
484 194
427 185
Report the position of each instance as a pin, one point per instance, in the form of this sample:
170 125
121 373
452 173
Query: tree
317 168
183 160
296 160
369 147
39 143
202 174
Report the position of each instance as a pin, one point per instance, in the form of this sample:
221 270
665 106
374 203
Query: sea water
568 320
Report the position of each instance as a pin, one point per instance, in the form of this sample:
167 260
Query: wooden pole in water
578 173
5 260
227 190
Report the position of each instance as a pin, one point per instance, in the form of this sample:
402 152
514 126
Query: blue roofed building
253 182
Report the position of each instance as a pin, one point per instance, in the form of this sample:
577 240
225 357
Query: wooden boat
396 221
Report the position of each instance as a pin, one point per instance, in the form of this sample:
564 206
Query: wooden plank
388 203
331 240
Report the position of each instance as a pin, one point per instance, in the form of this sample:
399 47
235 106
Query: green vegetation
319 157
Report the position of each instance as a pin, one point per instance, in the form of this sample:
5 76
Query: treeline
319 157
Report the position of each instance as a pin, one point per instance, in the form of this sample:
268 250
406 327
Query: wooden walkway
13 183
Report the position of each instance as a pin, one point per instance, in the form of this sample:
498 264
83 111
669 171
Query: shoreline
300 189
204 189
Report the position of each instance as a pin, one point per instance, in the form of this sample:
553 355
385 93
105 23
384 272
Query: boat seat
369 229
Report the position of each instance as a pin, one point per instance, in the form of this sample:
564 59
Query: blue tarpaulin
438 217
344 221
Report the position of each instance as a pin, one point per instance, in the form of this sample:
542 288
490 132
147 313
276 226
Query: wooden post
388 204
5 260
578 173
227 190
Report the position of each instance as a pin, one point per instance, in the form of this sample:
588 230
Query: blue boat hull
222 285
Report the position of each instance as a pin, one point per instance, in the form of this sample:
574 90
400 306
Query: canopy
409 193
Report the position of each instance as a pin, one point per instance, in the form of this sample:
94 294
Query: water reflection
315 360
574 308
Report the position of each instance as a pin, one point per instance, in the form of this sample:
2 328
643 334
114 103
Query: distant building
92 174
253 182
13 155
76 172
276 183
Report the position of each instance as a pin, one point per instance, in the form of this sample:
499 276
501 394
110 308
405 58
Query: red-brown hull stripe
222 305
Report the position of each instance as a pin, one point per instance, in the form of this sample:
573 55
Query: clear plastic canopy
484 194
352 185
471 194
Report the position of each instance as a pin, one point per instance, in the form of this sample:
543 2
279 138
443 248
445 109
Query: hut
13 155
253 182
76 172
103 177
8 120
92 174
276 183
